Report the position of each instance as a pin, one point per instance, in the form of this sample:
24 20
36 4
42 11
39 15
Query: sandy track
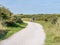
33 34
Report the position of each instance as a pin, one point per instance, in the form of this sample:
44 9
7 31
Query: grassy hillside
52 32
9 23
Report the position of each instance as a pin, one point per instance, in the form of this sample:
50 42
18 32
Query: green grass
12 30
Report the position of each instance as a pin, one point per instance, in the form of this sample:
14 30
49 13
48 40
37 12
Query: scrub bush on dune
17 19
3 33
11 24
8 23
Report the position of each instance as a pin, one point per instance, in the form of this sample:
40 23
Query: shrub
54 20
17 19
11 24
46 20
57 39
4 16
3 33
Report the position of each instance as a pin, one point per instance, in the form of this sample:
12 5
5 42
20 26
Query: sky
32 6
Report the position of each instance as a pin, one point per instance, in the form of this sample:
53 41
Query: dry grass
52 32
2 27
26 19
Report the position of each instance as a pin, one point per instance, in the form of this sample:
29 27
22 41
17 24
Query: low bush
3 33
56 39
11 24
17 19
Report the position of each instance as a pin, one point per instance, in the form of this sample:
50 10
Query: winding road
33 34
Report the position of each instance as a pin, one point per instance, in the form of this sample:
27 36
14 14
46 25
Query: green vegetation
52 33
51 24
9 23
11 30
